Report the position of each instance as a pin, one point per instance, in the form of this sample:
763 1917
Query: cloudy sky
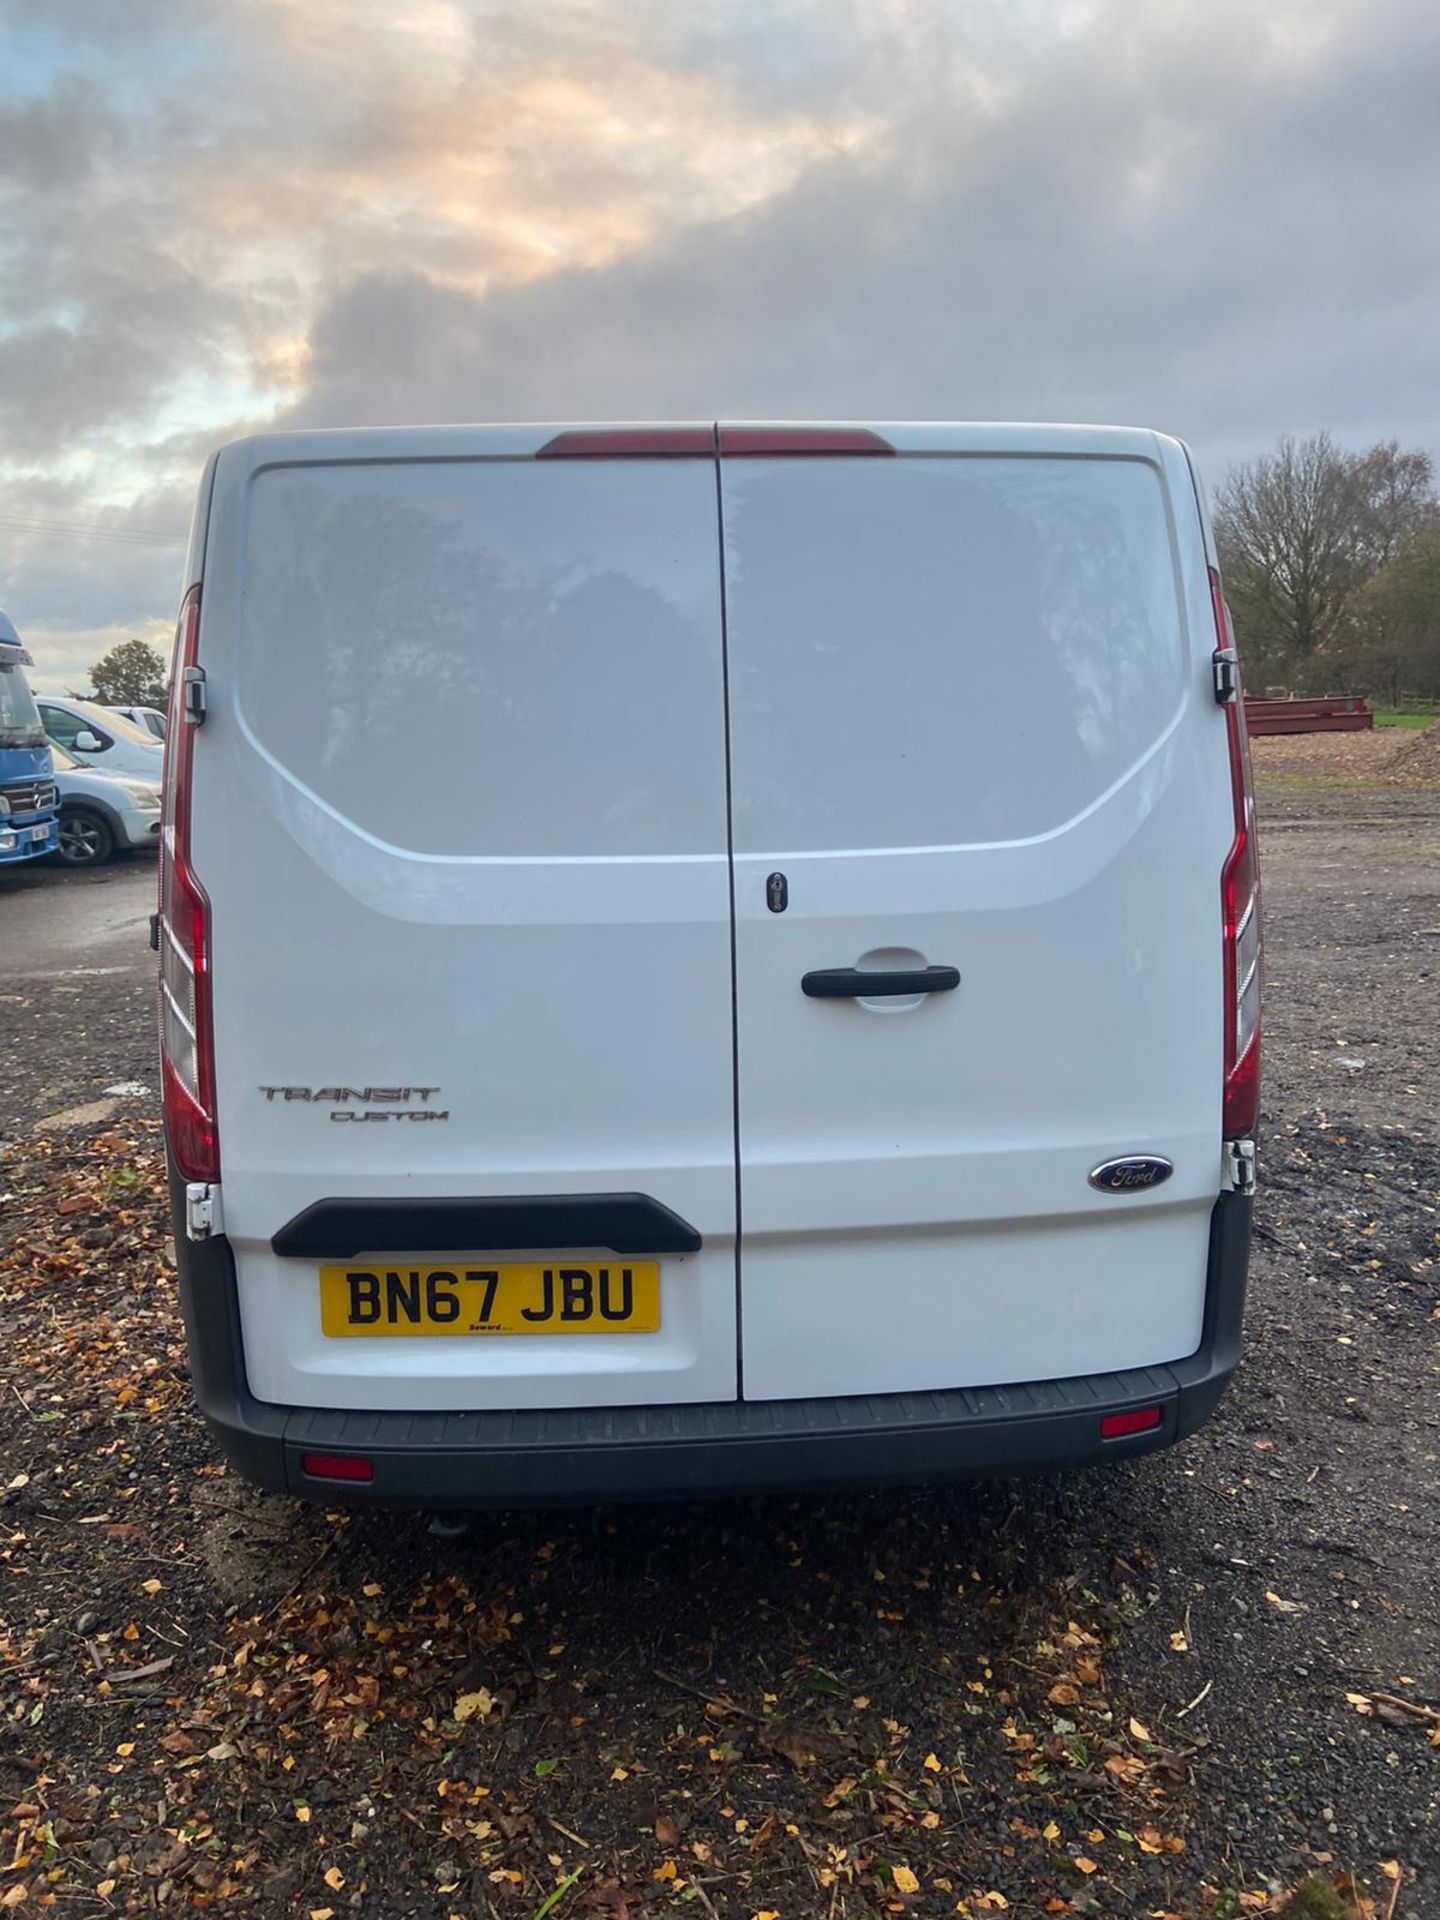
1213 216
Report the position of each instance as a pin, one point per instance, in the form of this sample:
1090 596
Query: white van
741 968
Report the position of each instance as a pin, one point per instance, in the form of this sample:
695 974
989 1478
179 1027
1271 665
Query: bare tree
1301 529
1397 622
1394 492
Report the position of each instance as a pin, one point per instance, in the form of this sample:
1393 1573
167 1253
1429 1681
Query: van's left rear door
460 811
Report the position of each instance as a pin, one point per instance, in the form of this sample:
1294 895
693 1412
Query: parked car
102 814
100 737
795 1019
27 792
149 719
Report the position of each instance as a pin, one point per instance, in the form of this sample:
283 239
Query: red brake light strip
691 443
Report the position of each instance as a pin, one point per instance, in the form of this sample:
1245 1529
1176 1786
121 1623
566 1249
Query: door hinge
203 1216
1239 1170
1225 665
193 696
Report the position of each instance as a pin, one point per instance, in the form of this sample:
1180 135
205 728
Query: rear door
460 810
972 728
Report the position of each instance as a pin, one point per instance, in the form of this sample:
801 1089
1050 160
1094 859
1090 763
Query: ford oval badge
1134 1173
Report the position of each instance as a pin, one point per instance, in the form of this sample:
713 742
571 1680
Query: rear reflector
337 1466
631 443
770 441
1239 912
1114 1426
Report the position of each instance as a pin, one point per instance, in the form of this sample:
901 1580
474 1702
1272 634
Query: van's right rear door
972 728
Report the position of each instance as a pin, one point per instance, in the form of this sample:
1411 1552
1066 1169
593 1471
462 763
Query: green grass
1406 717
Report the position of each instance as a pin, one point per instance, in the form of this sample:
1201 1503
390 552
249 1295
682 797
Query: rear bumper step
472 1460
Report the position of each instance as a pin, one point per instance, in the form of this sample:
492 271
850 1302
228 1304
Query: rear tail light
187 1054
1240 911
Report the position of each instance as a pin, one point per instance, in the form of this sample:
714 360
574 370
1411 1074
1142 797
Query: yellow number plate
402 1300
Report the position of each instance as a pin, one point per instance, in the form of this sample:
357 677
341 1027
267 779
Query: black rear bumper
471 1460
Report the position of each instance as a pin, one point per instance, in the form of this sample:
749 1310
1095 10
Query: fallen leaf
334 1879
1062 1694
666 1871
469 1705
129 1675
1178 1643
1139 1732
904 1880
800 1745
1085 1866
931 1763
1285 1606
302 1814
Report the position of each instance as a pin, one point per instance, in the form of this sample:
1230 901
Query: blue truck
28 806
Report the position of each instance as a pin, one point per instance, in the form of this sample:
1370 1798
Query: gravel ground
1179 1686
77 986
1393 755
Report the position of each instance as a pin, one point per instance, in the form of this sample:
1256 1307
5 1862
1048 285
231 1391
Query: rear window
942 651
492 658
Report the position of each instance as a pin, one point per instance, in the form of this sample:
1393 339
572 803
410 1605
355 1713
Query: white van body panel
506 736
972 722
470 709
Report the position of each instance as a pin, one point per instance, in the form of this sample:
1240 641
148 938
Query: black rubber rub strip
623 1222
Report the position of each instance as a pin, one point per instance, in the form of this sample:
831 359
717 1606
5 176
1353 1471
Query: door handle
858 983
